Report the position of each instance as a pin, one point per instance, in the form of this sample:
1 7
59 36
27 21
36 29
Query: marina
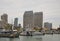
15 34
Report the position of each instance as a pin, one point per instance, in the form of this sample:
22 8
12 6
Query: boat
10 34
25 33
37 33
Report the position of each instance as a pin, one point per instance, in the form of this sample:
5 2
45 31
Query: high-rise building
48 25
4 18
15 22
2 25
28 19
38 19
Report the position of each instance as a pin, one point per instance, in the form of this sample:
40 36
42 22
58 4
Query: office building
4 18
15 22
28 19
48 25
38 19
20 25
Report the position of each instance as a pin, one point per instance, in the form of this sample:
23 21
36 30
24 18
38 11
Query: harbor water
54 37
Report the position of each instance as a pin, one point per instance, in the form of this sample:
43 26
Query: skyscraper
48 25
15 22
4 18
1 25
38 19
28 19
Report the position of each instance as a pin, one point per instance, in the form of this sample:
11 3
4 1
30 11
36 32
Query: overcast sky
16 8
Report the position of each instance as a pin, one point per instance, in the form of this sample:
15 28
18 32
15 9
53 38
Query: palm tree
8 27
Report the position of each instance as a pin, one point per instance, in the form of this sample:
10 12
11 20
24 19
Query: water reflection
4 39
26 38
14 39
11 39
39 39
33 38
54 37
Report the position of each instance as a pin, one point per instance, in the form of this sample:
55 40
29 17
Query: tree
8 27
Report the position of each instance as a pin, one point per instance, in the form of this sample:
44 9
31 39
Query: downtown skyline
16 8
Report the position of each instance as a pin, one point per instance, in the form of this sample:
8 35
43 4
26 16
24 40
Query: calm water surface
55 37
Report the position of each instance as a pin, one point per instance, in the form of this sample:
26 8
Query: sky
16 8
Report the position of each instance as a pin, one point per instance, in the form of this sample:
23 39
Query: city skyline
16 8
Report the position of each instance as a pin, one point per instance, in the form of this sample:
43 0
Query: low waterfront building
48 25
